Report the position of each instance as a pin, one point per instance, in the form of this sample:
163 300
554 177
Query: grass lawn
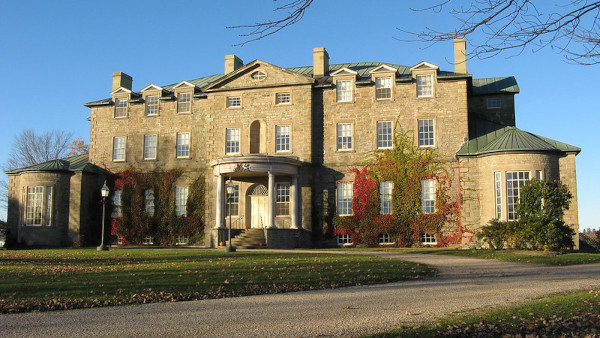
576 314
520 256
42 280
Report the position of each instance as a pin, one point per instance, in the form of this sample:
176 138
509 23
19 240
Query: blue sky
57 55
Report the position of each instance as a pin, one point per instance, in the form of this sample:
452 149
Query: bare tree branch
30 148
295 12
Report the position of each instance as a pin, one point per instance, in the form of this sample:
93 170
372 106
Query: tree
572 27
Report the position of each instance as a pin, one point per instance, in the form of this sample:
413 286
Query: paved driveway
464 283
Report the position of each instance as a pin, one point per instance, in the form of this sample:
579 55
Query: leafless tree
30 148
572 26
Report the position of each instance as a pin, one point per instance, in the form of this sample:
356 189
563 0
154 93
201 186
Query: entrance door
258 211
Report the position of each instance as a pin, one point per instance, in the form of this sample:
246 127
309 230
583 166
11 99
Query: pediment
151 87
384 69
121 90
424 65
184 85
344 72
257 74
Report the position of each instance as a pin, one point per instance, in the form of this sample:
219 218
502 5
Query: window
116 204
34 202
181 195
424 85
119 148
182 240
232 141
429 239
151 105
235 201
344 136
426 133
282 138
258 75
344 91
344 198
539 175
120 107
428 196
183 145
498 194
234 102
515 180
384 135
385 239
149 147
48 218
283 98
383 88
148 240
385 197
345 239
149 201
494 103
184 101
282 203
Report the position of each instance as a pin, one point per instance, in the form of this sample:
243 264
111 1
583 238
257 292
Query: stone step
249 239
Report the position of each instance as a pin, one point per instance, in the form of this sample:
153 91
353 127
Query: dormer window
151 105
121 107
258 75
383 88
494 103
425 85
184 102
344 91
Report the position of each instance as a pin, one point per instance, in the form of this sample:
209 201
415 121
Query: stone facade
286 137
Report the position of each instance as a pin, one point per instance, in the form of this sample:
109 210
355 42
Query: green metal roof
495 85
73 163
489 137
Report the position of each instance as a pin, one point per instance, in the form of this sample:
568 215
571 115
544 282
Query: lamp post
104 192
230 187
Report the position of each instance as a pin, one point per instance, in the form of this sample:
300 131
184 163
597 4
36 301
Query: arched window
255 137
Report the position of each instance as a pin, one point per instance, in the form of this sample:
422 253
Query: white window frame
282 138
182 240
344 240
385 135
234 202
345 194
119 148
385 197
232 141
258 75
343 90
149 201
428 196
344 136
34 205
498 211
284 98
493 103
151 105
234 102
184 103
181 196
513 191
148 240
428 239
383 88
183 148
48 201
116 199
150 146
425 85
282 199
385 239
426 133
120 108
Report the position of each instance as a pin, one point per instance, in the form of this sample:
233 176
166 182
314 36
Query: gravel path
463 284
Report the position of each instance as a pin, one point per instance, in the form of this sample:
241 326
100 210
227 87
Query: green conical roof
73 163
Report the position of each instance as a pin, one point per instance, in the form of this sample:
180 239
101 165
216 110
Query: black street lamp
230 189
104 192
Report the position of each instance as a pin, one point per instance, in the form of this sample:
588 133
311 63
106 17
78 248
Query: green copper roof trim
73 163
104 102
489 137
495 85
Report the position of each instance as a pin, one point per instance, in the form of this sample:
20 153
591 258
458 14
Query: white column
294 202
271 201
219 207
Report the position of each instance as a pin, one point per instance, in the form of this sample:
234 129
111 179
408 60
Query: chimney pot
460 55
120 79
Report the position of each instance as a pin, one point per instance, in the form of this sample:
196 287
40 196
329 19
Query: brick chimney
320 62
232 63
460 55
120 79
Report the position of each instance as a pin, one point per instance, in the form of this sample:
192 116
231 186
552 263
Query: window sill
151 115
119 161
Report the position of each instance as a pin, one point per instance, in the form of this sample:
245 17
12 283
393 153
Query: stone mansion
286 138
